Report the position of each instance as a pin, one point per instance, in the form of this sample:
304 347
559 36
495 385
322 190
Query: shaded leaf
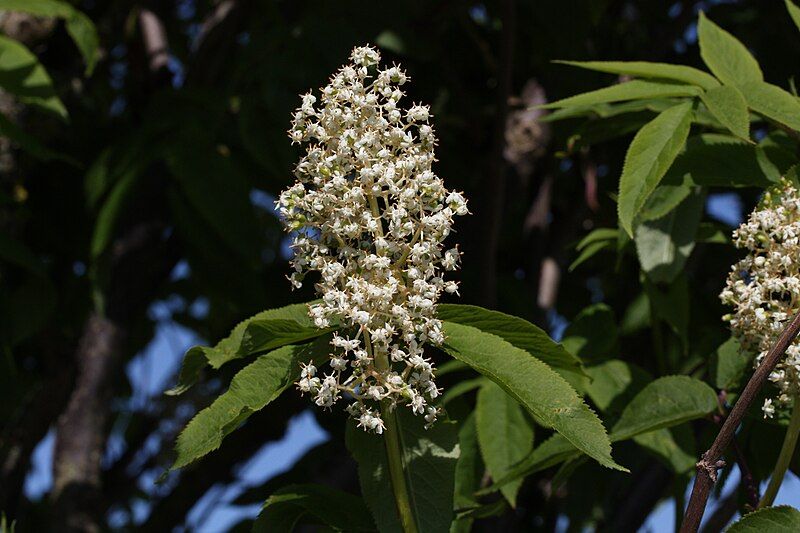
728 364
665 402
504 433
671 304
22 75
615 383
468 475
429 459
674 447
712 159
79 26
592 334
663 245
649 156
316 503
794 12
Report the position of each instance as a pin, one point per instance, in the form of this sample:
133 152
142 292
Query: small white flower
764 287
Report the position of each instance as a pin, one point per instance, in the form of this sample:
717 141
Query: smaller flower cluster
371 217
764 287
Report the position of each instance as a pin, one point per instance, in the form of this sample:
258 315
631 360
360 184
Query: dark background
158 212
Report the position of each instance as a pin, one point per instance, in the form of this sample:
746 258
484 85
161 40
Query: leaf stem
394 453
785 457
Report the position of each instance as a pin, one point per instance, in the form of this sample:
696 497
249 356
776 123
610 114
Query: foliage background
149 211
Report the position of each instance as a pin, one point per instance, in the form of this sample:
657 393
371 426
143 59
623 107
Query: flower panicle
370 217
764 287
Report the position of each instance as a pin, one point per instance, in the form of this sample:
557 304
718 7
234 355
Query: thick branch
710 462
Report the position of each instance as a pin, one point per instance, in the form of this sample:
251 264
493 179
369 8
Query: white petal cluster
764 287
370 218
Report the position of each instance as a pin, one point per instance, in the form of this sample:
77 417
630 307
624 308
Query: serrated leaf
22 75
631 90
663 245
728 105
728 364
644 69
717 160
725 55
79 26
504 433
429 459
516 331
665 402
294 326
773 102
251 389
780 519
649 156
541 391
315 503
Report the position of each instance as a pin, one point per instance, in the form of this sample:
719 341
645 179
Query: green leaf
460 388
542 392
516 331
644 69
794 12
728 105
615 383
664 245
773 102
468 475
780 519
725 56
728 364
596 241
255 386
292 325
22 75
712 233
665 198
29 143
674 447
649 156
593 333
79 26
671 304
717 160
631 90
319 504
219 191
429 459
504 433
665 402
111 211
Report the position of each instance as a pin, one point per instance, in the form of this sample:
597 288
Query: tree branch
710 462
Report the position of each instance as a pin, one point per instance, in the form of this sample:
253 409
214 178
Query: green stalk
394 452
787 451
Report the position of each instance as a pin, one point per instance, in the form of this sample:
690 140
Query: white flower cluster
370 217
764 287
